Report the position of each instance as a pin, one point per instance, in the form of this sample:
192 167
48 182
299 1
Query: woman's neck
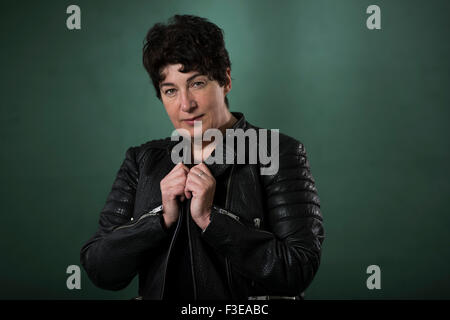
199 155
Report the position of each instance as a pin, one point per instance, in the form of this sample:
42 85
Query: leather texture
267 229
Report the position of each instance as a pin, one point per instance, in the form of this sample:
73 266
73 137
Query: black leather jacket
267 230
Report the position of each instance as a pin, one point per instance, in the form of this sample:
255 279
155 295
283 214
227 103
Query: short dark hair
194 42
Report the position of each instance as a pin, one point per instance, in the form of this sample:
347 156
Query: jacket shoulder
287 144
290 145
157 145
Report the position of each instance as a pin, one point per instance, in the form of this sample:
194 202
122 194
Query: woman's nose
187 102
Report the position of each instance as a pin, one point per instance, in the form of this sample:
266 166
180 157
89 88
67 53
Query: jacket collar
217 168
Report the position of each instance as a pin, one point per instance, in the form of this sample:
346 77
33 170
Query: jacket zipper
153 212
225 212
227 262
170 249
190 248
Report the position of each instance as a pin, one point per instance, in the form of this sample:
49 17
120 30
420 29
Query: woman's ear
228 81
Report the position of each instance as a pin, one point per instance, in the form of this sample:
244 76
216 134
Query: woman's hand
200 185
173 186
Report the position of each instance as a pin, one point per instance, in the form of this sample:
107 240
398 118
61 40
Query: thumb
187 193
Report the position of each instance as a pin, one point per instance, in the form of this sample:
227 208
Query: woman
208 230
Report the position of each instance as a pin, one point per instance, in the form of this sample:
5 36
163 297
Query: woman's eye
169 92
198 84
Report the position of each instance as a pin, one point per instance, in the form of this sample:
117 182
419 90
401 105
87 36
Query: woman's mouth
190 121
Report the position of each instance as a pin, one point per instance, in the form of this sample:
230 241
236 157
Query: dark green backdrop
371 107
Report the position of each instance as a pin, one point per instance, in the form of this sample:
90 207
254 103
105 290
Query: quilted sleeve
284 258
111 257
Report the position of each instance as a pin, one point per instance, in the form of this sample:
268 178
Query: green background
371 107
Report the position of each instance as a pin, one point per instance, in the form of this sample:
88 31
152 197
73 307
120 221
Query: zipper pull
223 211
155 211
257 222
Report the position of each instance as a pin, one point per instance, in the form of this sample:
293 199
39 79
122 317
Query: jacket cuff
168 230
218 210
159 211
223 224
156 215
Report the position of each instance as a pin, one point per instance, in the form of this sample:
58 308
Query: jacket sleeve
111 257
284 257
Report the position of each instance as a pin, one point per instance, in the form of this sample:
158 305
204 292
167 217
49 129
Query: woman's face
192 96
